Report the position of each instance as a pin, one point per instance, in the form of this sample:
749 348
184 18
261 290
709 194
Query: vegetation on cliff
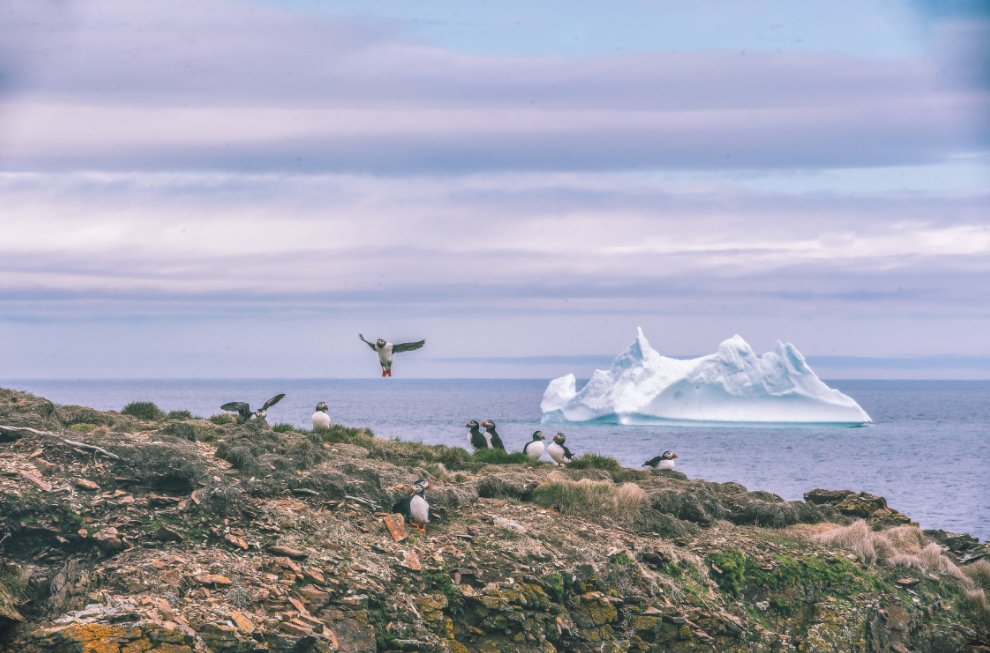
142 531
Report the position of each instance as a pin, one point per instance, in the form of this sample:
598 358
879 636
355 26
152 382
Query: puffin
535 447
244 412
385 350
476 438
492 435
415 508
321 418
560 454
663 461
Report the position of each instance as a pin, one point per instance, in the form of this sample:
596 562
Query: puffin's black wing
370 344
654 461
567 452
408 346
526 447
402 507
496 441
478 441
238 407
271 402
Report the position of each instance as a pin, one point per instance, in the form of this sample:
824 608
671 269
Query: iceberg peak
732 385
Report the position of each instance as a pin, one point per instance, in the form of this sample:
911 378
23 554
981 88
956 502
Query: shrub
82 415
143 410
284 428
179 414
224 500
700 504
182 430
162 466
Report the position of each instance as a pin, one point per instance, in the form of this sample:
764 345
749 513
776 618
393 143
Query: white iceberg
733 385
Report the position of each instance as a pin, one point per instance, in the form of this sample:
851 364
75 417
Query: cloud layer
233 162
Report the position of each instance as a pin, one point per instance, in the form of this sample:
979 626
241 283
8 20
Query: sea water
928 451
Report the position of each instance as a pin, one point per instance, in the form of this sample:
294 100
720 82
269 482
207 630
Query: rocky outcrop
120 535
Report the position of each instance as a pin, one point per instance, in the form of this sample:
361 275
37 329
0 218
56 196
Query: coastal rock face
733 385
246 539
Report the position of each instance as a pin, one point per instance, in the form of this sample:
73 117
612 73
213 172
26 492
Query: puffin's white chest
385 353
488 439
419 509
321 420
557 453
534 449
666 464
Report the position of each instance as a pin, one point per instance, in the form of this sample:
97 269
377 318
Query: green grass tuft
595 461
500 457
284 428
143 410
341 433
179 414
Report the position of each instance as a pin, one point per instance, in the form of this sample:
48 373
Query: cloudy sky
236 188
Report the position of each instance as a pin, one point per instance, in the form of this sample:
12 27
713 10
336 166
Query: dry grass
979 573
589 498
903 546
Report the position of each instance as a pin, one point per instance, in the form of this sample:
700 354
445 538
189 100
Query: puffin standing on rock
321 418
476 438
243 410
385 350
558 452
663 461
415 508
535 447
492 435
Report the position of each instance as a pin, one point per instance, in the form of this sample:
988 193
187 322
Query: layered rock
119 536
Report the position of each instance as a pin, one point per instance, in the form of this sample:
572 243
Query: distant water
928 452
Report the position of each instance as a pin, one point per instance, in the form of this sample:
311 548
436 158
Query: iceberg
733 386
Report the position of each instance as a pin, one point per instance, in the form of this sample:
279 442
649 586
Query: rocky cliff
146 532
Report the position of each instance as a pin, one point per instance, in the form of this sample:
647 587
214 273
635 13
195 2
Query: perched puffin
244 412
492 435
415 508
476 438
535 447
663 461
386 349
321 419
560 454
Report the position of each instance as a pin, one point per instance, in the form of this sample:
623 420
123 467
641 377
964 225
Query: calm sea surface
928 452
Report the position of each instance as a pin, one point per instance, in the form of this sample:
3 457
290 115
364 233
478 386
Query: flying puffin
663 461
244 412
476 438
535 447
492 435
415 508
560 454
386 349
321 419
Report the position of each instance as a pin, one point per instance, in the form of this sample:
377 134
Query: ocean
928 451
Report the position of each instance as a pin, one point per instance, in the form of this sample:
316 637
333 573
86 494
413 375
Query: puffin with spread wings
385 349
244 412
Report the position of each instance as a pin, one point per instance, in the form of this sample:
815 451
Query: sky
237 188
